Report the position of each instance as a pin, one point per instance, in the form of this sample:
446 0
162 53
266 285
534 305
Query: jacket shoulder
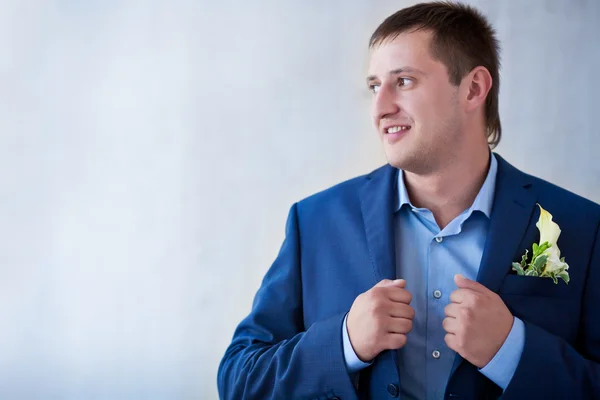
550 195
565 199
341 195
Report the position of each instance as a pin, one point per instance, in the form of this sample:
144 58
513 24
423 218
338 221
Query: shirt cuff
353 363
502 367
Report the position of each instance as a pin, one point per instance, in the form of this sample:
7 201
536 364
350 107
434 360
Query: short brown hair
462 40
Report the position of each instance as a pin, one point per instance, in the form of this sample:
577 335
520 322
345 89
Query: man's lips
395 132
396 128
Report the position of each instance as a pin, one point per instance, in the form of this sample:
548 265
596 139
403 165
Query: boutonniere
546 261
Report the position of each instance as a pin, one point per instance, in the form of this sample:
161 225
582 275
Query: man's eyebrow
399 71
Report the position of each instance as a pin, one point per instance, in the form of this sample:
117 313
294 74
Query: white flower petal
553 263
549 230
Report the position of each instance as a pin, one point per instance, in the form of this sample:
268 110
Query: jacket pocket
534 286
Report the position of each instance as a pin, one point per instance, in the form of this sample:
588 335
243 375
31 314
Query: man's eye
404 81
374 88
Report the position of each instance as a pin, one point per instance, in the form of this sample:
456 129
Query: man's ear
479 85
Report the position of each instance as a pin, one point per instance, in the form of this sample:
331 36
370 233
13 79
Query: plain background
150 151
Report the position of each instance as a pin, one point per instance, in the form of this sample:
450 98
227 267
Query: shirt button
437 294
393 390
439 239
435 354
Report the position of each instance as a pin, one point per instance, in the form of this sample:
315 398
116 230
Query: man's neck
450 191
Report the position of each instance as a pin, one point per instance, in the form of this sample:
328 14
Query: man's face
415 108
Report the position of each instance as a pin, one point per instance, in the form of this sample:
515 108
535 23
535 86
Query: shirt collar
483 201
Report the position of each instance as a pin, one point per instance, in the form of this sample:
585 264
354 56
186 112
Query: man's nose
385 103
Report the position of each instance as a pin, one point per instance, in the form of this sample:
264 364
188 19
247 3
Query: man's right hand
380 319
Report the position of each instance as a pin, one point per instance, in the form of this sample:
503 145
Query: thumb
466 283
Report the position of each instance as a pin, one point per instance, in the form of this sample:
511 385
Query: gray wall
149 152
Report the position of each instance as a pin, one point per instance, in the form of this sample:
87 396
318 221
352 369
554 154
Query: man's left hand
477 322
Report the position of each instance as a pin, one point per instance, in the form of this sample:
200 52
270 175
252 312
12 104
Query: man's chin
406 162
396 160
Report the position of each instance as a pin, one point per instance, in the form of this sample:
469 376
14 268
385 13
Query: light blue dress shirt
428 258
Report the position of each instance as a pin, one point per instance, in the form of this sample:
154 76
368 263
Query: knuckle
402 326
448 340
377 306
466 313
378 324
459 338
468 299
371 297
405 311
378 311
410 312
398 341
371 294
378 293
402 340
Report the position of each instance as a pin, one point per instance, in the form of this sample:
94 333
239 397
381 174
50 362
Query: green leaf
524 259
517 267
554 279
531 272
565 276
539 263
535 249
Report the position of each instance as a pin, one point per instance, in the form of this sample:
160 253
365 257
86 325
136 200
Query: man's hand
380 318
477 322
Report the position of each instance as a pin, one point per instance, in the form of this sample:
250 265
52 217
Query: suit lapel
377 206
511 216
514 205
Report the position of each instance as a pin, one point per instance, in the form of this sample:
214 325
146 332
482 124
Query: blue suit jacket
340 242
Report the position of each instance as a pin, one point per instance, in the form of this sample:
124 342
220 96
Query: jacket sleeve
550 368
272 354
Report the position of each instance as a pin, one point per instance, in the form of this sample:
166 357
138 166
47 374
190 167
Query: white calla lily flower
550 232
546 261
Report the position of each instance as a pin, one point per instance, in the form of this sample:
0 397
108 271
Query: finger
465 283
461 295
450 325
389 282
383 282
401 310
451 341
452 310
399 295
399 325
394 341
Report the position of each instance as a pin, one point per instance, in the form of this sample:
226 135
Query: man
400 282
